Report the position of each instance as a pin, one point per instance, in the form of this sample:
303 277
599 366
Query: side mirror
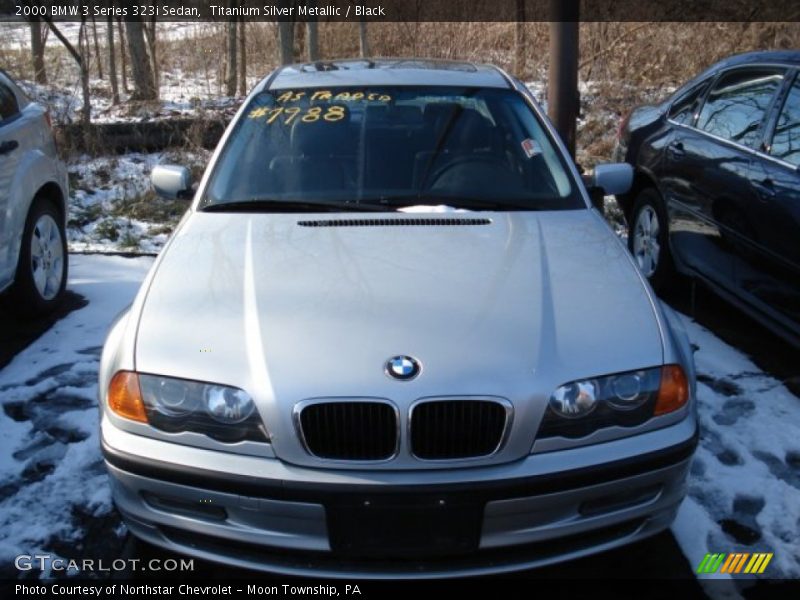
170 181
613 178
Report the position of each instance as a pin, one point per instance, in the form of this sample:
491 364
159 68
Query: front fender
117 354
678 347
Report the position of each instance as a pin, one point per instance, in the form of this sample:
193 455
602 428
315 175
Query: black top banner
406 10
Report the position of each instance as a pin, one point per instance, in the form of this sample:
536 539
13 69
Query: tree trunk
242 58
285 35
112 62
86 110
97 50
143 82
286 41
299 39
312 44
150 36
519 40
86 52
37 52
363 42
230 83
123 56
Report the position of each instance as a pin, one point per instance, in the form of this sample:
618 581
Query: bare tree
230 83
286 41
143 81
150 35
81 59
123 56
299 39
98 60
242 58
363 41
37 52
112 61
519 40
312 43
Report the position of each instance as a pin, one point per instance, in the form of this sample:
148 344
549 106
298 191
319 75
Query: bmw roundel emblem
403 368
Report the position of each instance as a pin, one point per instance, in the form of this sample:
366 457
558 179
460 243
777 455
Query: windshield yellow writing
331 96
287 114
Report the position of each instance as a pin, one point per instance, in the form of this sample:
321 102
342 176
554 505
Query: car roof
387 71
784 57
789 57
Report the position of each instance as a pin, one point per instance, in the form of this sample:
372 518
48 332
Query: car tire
42 269
648 239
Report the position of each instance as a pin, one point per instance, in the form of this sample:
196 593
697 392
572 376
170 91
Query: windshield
388 148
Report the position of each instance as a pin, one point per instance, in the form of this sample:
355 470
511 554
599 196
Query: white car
33 205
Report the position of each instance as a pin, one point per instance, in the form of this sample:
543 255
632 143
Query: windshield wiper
267 205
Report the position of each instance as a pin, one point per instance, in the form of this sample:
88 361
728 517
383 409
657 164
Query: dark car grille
350 430
449 429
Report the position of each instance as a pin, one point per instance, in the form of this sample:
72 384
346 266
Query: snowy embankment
744 488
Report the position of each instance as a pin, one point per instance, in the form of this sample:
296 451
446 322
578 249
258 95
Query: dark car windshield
390 147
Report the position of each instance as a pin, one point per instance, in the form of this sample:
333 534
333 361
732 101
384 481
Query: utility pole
563 102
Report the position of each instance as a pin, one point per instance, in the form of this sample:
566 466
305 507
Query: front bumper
302 521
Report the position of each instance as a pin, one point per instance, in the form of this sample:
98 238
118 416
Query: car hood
510 306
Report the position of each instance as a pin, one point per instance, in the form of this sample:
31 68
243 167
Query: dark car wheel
648 240
41 276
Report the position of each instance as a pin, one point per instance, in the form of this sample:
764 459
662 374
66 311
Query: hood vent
397 222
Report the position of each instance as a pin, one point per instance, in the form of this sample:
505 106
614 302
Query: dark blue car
716 193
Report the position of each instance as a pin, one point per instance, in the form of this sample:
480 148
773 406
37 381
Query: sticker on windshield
530 147
331 96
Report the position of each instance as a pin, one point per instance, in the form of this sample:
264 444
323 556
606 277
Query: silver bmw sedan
392 337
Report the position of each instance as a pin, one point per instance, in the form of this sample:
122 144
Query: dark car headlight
627 399
226 414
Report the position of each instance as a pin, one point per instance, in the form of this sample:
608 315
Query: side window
737 104
684 108
786 139
8 102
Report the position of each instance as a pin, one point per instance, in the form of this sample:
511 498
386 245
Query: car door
694 237
770 271
10 129
709 169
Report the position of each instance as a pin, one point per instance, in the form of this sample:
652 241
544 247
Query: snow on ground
17 35
53 486
100 185
112 206
744 487
182 91
181 94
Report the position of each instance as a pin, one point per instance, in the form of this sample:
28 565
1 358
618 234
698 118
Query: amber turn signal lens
125 397
674 390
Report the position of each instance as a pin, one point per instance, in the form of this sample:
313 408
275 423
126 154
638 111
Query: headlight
579 408
224 413
227 405
575 399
